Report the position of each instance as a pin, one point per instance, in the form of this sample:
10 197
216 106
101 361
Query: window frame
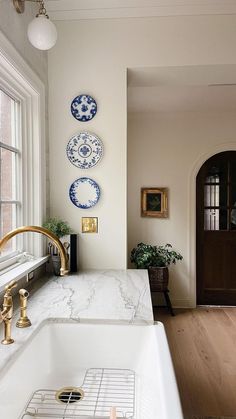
19 81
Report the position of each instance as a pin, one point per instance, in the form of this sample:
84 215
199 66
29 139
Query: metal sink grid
103 389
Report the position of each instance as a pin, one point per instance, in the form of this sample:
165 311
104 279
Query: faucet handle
10 286
23 293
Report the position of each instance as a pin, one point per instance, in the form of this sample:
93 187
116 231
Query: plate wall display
84 150
83 108
84 193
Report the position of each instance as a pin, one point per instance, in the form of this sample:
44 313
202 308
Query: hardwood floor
202 342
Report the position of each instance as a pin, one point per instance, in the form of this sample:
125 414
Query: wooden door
216 230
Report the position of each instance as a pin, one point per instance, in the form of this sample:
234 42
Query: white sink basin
59 354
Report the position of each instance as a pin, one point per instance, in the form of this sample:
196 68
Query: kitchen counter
104 296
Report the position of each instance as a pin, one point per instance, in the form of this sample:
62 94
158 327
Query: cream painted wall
92 57
14 27
166 150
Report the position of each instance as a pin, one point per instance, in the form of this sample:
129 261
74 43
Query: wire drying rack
103 389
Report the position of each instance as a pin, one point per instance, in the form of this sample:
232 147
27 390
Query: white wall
92 57
165 150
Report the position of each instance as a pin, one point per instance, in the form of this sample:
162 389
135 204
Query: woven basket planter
158 278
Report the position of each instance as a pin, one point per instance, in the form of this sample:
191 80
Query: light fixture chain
42 10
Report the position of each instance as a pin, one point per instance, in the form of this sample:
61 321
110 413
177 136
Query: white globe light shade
42 33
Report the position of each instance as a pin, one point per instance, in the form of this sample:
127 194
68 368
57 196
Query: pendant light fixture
42 33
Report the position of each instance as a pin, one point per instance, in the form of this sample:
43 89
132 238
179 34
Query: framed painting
154 202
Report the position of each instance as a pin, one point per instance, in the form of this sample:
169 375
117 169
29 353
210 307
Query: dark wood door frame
216 244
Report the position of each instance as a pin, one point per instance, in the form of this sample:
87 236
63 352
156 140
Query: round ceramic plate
84 150
83 108
84 193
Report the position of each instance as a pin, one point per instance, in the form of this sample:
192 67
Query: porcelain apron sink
61 354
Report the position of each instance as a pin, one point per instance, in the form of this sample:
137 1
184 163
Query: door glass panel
217 172
223 225
211 219
223 194
215 219
211 195
212 178
233 194
233 171
216 195
233 219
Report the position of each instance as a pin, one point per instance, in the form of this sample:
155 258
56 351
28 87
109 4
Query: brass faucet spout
64 270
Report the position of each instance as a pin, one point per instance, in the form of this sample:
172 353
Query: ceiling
106 9
182 89
163 89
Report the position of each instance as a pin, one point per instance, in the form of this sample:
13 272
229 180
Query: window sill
20 271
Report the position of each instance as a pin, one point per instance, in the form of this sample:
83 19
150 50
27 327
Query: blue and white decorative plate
84 150
83 108
84 193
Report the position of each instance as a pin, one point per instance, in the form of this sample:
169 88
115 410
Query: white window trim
17 77
8 260
20 271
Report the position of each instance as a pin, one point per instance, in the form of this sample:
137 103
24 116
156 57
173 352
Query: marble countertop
114 296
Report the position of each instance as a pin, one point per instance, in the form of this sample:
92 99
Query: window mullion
9 147
13 201
1 234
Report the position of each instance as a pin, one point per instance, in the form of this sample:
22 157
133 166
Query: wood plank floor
202 342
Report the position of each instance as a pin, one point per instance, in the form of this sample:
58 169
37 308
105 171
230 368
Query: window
22 153
10 204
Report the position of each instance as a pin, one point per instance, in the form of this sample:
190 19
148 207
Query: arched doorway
216 230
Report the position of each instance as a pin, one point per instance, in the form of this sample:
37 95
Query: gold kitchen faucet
7 311
64 270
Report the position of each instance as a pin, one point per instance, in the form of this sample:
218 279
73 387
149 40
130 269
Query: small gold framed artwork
154 202
89 224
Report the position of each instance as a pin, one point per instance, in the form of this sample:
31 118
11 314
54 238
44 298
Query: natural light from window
22 163
9 167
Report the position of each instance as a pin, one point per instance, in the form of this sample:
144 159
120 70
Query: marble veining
110 296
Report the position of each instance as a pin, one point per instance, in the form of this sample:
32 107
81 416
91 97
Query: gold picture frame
154 202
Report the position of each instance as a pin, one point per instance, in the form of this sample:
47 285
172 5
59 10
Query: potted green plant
60 228
156 259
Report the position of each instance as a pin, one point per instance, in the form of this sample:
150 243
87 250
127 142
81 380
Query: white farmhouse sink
59 355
